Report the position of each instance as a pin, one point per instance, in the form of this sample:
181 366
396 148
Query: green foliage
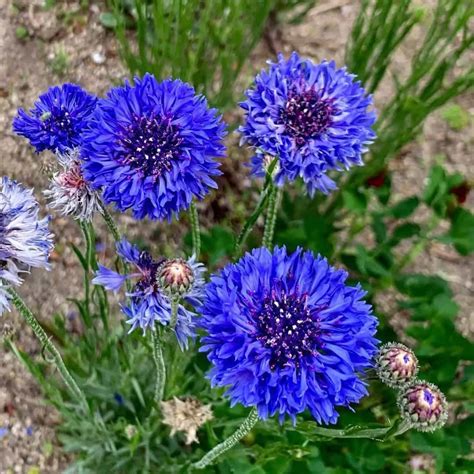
437 193
363 227
380 29
21 33
204 43
461 234
456 116
292 11
377 238
59 64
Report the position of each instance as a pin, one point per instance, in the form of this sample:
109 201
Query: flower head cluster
285 333
150 302
423 405
69 192
186 415
152 147
313 117
396 365
58 118
25 240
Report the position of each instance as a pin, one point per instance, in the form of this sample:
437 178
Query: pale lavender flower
69 192
25 240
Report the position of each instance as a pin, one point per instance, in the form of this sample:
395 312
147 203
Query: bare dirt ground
67 43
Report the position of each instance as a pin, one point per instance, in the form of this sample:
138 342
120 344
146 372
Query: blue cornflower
58 118
25 240
313 117
285 334
157 282
152 146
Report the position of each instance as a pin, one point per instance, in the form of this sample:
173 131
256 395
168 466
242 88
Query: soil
40 47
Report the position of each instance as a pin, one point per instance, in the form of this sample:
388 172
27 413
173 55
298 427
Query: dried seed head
130 431
186 415
7 332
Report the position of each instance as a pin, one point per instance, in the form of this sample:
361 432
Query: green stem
45 341
174 312
356 225
231 441
196 233
377 434
87 237
109 220
117 236
159 365
417 248
419 245
272 212
248 226
262 204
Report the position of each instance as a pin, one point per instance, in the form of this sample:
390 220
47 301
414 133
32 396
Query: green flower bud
396 365
175 276
423 405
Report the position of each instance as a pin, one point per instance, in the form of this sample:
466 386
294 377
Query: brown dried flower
186 415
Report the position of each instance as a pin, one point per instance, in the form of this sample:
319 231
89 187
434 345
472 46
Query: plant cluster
237 367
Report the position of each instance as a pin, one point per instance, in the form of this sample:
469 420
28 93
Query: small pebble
98 57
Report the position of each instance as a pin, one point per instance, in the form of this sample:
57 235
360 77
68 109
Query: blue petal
109 279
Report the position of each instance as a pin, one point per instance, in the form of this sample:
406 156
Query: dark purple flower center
59 122
289 328
148 268
428 396
150 145
306 114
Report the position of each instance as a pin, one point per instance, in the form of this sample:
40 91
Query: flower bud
396 365
175 276
423 405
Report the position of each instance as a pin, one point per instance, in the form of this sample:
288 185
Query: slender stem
98 291
109 220
231 441
355 226
248 226
159 365
378 434
45 341
262 204
196 233
87 237
272 212
419 245
174 312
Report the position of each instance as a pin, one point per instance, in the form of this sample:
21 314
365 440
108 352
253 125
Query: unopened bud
423 405
175 276
396 365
